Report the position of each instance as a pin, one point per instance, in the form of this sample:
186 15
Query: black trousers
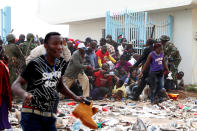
156 84
144 81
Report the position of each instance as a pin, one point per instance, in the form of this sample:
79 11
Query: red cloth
103 57
5 89
71 103
98 76
180 106
99 82
105 108
76 44
16 40
71 40
165 72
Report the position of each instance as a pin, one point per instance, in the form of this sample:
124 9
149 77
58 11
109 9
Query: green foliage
191 88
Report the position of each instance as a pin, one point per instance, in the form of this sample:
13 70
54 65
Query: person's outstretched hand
27 98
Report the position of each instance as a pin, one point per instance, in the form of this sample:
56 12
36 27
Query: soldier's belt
37 112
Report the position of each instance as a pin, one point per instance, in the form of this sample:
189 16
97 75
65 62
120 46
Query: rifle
39 43
151 36
153 30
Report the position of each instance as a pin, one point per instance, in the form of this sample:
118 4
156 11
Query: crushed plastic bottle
139 125
130 104
77 125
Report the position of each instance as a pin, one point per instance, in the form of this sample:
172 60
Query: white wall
61 11
91 29
182 38
194 46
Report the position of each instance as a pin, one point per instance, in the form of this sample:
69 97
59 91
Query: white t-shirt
132 61
40 50
120 49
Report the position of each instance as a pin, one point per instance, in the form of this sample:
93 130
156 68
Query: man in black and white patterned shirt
43 76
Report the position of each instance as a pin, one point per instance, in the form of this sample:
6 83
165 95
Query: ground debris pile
127 115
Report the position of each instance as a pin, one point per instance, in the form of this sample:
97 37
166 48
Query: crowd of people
39 71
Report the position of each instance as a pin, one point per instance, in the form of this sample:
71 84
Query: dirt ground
165 116
184 94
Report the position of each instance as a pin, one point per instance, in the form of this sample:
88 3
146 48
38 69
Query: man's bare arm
17 87
67 92
19 91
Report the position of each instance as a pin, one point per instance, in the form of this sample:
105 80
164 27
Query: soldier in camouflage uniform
172 55
16 60
28 45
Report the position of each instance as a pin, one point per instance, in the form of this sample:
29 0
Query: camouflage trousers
174 71
13 74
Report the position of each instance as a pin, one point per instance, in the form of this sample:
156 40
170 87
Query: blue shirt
93 59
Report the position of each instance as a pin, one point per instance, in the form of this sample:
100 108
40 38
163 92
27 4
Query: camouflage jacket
172 53
26 47
16 61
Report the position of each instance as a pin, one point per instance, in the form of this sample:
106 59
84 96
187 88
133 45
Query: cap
81 46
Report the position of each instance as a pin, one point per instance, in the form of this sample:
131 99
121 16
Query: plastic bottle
77 125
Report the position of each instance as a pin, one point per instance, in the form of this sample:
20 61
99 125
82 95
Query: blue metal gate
136 27
5 20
